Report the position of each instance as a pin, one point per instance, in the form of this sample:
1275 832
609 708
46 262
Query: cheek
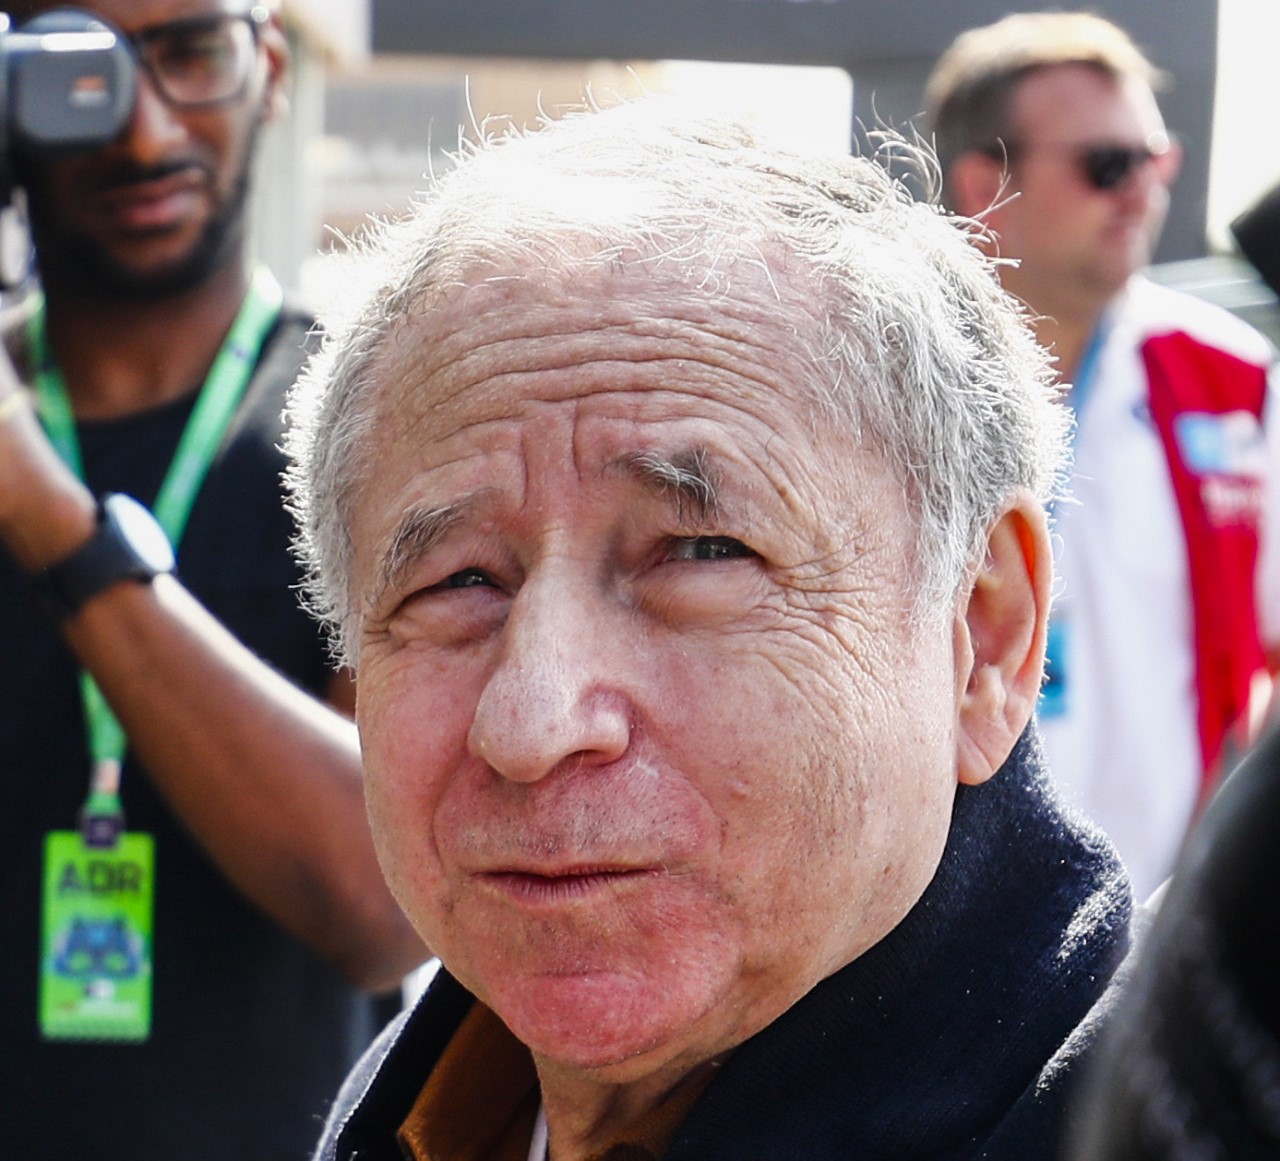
413 733
838 805
231 143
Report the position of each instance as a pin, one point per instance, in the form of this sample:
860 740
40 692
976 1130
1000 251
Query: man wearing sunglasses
215 1019
1168 617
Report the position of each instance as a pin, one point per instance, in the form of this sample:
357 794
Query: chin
618 1026
161 280
149 269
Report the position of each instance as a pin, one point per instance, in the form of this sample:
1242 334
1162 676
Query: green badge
96 938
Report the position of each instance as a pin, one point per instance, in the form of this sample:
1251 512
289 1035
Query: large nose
554 696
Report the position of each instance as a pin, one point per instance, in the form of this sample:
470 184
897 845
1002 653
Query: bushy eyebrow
417 533
685 479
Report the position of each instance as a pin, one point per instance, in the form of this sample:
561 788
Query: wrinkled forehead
749 326
532 395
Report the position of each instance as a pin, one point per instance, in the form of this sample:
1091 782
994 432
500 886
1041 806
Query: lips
154 203
536 888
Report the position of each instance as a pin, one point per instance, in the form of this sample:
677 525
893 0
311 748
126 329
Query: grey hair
911 339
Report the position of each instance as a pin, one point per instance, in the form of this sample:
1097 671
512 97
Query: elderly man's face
652 746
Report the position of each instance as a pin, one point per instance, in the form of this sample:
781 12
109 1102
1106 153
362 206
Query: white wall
287 204
340 27
1246 127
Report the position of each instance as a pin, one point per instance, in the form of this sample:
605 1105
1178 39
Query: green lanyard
221 394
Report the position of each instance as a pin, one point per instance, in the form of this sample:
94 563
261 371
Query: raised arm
276 797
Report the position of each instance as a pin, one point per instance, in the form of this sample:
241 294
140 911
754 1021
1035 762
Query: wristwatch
128 544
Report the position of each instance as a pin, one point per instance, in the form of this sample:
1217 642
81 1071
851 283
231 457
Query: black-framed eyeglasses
1105 165
201 60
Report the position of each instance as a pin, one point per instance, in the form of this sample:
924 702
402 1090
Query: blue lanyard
1088 373
1082 388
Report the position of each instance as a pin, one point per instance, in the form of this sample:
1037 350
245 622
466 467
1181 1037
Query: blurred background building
384 87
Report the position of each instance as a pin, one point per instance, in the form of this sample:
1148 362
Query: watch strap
109 556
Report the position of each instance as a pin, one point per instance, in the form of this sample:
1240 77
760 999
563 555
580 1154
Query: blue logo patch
1229 444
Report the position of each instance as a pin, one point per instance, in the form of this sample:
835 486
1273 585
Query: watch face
141 532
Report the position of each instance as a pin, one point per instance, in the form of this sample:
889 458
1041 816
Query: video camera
67 83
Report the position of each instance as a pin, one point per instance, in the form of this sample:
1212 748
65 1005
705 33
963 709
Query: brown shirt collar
481 1100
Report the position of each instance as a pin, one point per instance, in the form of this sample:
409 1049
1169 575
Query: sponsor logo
1229 444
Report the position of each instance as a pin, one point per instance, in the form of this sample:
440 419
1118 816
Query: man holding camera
211 1013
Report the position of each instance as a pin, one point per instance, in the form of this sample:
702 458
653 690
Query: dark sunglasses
1105 167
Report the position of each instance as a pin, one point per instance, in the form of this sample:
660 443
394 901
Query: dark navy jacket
959 1036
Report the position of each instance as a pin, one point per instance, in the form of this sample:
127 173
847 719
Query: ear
1173 162
977 182
1000 633
275 49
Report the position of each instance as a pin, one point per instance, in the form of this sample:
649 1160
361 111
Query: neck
1064 316
1067 340
585 1117
119 357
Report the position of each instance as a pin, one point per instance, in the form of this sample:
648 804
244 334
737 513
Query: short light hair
969 95
913 344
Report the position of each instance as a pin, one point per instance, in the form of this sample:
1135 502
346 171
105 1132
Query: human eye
449 611
695 548
701 580
190 46
466 578
194 53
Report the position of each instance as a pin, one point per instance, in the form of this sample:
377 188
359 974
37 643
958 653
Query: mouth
536 888
154 202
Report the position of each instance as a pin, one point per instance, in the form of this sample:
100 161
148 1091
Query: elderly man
679 503
1169 615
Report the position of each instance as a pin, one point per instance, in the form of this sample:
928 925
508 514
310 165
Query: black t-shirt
251 1031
